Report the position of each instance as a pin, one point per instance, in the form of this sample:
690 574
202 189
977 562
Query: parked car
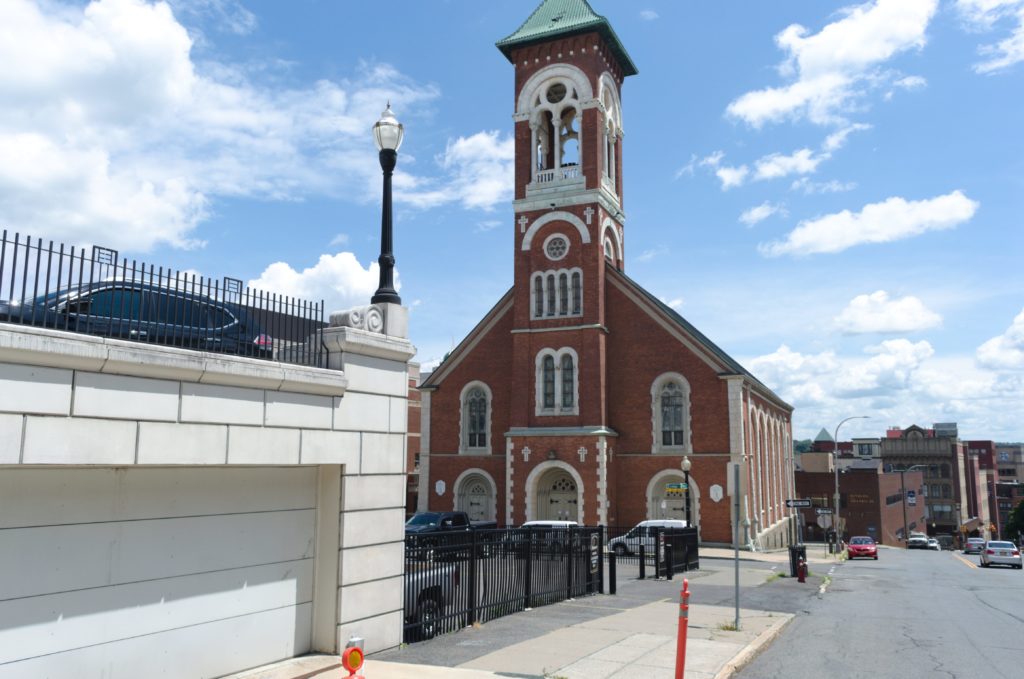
933 544
430 591
549 536
642 534
974 545
148 313
917 541
1000 552
862 546
431 535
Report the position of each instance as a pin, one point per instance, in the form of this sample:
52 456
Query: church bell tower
569 68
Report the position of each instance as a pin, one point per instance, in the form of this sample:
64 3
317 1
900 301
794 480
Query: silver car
1000 552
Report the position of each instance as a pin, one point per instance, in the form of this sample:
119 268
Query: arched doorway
666 502
557 497
474 495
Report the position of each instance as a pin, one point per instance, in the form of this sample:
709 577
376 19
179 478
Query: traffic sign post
798 503
824 511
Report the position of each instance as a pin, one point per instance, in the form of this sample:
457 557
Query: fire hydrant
801 570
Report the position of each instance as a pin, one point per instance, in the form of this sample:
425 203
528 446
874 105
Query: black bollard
643 563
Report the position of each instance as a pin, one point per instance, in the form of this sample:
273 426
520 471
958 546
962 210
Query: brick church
579 394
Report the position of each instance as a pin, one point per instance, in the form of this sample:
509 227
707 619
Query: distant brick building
871 502
578 395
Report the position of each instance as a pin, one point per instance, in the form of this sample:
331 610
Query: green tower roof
558 18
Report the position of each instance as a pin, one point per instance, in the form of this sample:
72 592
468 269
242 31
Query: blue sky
831 192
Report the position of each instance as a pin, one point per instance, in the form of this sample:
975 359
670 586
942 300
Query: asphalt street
910 614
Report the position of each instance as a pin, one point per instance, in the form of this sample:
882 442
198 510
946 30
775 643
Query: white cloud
481 168
487 225
229 15
107 109
911 82
832 186
834 67
837 139
674 303
732 176
648 15
339 239
648 255
878 313
1005 351
340 280
893 219
984 15
762 212
890 368
775 165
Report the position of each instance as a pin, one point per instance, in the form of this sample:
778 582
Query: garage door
154 572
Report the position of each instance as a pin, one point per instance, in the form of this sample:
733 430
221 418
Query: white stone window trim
544 292
568 246
660 478
467 477
611 233
556 355
464 448
557 215
657 447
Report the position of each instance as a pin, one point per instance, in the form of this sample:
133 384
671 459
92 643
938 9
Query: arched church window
549 382
557 382
555 126
671 414
557 293
568 382
476 418
563 294
577 292
476 409
538 296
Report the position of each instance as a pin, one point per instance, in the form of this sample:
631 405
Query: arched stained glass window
671 415
549 382
568 382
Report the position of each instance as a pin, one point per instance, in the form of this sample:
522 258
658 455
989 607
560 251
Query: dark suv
146 313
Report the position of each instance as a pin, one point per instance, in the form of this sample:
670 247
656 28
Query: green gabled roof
559 18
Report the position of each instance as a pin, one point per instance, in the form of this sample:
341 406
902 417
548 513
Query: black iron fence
647 549
93 291
454 580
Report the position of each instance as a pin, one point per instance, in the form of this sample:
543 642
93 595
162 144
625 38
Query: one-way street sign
798 503
823 511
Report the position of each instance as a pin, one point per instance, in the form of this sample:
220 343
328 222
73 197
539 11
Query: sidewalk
637 642
816 554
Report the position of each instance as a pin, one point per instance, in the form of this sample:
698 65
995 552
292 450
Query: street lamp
387 132
903 493
685 466
835 468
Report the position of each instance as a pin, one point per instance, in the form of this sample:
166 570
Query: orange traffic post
684 622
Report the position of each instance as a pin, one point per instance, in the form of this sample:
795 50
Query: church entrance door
557 497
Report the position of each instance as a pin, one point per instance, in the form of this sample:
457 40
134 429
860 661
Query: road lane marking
960 558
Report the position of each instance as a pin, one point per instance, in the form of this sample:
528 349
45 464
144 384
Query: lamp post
903 494
685 466
387 133
835 468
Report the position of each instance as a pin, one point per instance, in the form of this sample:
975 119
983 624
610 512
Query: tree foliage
1015 522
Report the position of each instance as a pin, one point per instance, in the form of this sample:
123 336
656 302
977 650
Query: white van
642 534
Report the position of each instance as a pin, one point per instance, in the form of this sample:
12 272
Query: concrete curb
753 649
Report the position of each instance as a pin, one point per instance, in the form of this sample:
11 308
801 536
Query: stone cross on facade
589 212
526 453
583 453
523 221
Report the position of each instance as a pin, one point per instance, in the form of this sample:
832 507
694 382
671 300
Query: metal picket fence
453 580
94 291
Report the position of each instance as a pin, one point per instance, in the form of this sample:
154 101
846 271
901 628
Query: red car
862 546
